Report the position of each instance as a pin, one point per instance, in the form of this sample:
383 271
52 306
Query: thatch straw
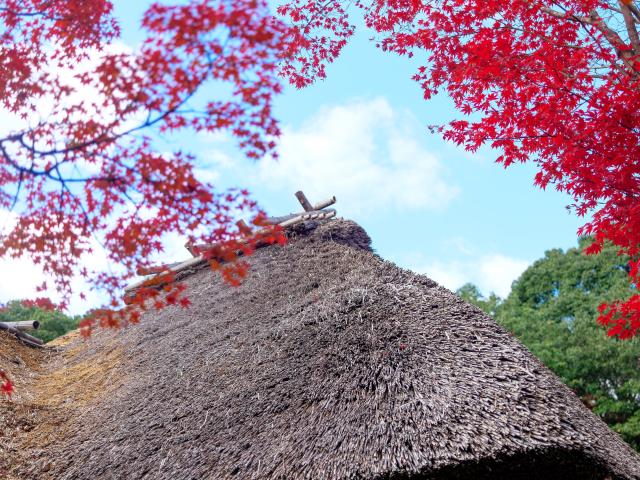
329 362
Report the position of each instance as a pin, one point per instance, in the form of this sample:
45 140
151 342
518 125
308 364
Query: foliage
53 323
551 309
80 170
470 293
556 83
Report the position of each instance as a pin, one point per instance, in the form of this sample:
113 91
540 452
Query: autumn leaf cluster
81 172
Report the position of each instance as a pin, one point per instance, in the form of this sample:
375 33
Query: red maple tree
556 83
80 167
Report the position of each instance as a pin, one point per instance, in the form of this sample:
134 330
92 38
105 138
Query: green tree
552 309
53 323
470 293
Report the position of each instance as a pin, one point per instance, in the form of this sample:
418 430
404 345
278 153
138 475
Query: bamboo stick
176 268
25 337
305 215
277 220
37 344
152 270
308 216
324 204
25 325
291 220
303 201
30 338
9 328
318 206
243 227
189 247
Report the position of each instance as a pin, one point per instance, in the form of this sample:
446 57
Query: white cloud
491 273
499 272
21 277
209 169
365 153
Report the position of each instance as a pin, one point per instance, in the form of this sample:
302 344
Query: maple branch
105 137
631 27
518 137
48 173
79 146
506 25
17 194
40 13
149 122
22 14
317 13
634 10
85 214
595 20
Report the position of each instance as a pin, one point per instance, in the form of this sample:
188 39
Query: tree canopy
551 309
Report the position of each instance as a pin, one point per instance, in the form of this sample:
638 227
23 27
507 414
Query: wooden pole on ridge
306 204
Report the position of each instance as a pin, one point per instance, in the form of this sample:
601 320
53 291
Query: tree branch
595 20
631 27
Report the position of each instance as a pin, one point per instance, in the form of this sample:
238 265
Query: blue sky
361 135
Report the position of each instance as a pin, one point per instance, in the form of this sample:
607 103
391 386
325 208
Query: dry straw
328 362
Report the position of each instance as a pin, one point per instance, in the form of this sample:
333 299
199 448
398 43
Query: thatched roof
328 362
